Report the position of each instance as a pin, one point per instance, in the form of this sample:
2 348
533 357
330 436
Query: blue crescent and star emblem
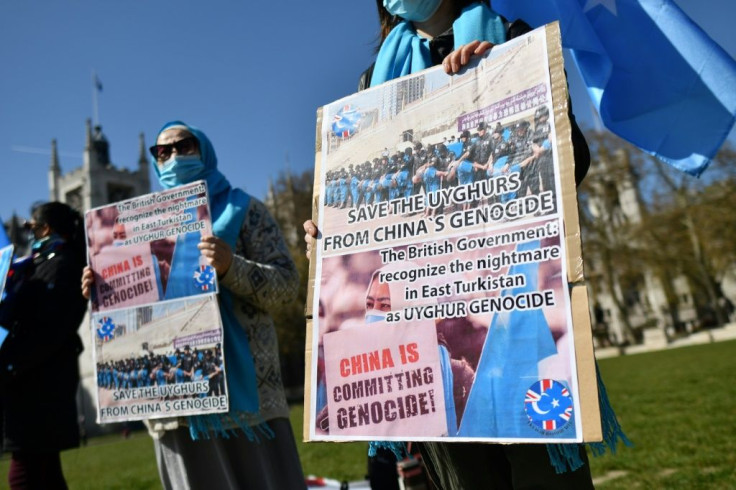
548 405
204 277
346 122
105 328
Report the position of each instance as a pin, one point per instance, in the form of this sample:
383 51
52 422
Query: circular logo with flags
105 328
346 122
548 405
204 277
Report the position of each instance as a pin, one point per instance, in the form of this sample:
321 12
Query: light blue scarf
228 206
404 51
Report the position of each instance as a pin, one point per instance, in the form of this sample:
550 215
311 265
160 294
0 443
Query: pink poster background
131 243
125 276
400 363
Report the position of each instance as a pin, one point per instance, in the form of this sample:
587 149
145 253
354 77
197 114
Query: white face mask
412 10
373 316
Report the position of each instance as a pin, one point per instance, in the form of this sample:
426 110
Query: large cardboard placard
155 319
446 297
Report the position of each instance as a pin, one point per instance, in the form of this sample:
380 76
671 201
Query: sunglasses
187 146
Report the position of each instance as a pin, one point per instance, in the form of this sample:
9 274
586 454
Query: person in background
252 446
42 311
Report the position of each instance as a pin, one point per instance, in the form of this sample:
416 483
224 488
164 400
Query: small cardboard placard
155 319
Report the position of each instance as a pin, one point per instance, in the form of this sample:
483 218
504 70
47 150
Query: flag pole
95 106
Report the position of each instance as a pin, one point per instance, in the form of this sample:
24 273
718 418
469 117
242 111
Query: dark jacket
442 45
39 373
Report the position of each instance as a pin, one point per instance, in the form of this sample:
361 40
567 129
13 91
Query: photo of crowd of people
170 350
520 147
180 366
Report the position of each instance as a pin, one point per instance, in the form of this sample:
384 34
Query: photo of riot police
182 365
521 147
160 345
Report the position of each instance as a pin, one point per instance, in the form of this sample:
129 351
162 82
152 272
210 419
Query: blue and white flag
6 257
516 341
346 122
4 239
105 328
656 78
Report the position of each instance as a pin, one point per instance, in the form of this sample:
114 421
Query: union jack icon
548 404
204 277
106 328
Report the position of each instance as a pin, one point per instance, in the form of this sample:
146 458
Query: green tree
611 249
290 202
700 212
638 215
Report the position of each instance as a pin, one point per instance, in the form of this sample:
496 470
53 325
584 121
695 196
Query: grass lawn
677 406
107 462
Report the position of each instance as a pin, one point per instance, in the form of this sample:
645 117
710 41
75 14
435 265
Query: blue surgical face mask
373 316
37 243
412 10
179 170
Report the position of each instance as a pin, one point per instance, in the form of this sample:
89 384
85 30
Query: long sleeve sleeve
263 273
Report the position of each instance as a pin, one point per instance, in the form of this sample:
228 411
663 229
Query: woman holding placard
418 34
39 374
252 446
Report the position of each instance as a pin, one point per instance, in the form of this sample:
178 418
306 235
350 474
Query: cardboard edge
582 331
563 129
585 360
307 382
316 186
310 284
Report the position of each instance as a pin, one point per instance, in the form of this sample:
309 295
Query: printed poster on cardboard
441 306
